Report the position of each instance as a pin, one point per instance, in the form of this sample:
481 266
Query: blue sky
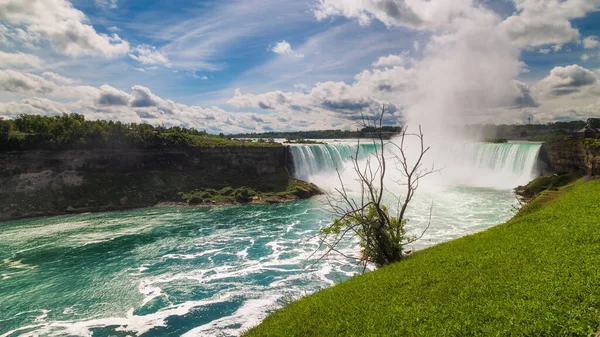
257 65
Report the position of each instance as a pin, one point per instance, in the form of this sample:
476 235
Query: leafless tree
382 236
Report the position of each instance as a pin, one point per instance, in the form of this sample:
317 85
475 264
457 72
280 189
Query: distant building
590 130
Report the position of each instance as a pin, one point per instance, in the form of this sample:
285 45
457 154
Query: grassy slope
536 275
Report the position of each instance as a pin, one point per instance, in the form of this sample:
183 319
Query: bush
244 194
226 191
301 192
195 199
192 198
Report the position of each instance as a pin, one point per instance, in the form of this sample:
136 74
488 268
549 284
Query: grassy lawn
536 275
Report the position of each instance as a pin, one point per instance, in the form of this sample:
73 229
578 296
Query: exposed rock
571 157
58 182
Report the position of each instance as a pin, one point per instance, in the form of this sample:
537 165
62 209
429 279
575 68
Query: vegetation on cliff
72 131
365 132
295 189
496 140
536 275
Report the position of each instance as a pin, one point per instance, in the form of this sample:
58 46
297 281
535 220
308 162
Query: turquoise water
185 271
173 271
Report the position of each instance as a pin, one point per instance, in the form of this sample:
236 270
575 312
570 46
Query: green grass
536 275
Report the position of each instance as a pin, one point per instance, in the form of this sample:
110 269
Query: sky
262 65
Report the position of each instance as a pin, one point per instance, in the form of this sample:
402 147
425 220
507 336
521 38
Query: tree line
365 132
73 131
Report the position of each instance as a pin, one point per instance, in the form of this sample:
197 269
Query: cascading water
313 159
473 164
185 271
504 166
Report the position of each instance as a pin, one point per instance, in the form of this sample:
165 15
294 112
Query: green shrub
211 192
244 194
226 191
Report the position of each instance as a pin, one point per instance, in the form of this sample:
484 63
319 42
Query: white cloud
19 82
139 105
390 12
300 86
57 78
545 22
19 60
544 51
416 46
392 60
149 55
64 26
585 57
591 42
17 37
113 29
110 4
566 80
284 48
523 68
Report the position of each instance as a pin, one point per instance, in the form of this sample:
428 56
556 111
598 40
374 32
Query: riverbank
44 183
536 274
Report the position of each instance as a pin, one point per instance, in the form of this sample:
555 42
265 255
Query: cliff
36 183
571 157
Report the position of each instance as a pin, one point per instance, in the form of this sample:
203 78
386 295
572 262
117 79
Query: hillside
536 275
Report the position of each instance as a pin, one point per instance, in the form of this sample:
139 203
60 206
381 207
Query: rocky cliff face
571 157
36 183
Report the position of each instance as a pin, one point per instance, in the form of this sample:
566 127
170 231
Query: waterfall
493 165
313 159
473 164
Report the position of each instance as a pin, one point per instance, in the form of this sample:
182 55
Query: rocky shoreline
48 183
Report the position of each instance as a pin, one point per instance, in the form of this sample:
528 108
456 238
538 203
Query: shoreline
465 273
260 199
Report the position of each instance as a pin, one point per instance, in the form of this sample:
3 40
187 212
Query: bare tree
382 236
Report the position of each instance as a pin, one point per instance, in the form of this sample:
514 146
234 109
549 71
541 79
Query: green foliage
302 141
496 140
382 236
72 131
244 194
319 134
229 195
536 275
549 182
226 191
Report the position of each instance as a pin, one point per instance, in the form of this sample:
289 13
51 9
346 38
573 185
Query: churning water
177 271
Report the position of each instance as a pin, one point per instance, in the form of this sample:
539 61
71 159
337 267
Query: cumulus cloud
392 60
149 55
19 60
17 37
19 82
390 12
284 48
63 26
57 78
566 80
524 97
114 97
334 99
544 22
138 105
591 42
